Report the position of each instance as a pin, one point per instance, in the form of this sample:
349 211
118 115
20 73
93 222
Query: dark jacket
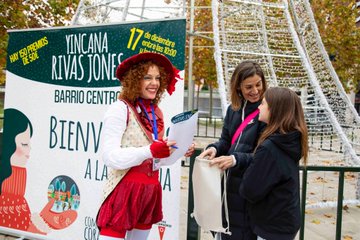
239 223
271 185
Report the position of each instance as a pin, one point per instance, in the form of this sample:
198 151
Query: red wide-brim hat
158 59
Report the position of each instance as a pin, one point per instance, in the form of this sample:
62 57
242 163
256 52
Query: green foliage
22 14
336 23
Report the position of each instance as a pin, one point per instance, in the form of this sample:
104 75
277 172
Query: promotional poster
59 83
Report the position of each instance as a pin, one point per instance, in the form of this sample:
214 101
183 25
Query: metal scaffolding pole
191 42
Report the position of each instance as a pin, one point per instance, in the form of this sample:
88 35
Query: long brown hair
131 87
244 70
285 115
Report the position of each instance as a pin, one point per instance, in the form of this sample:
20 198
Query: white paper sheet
182 130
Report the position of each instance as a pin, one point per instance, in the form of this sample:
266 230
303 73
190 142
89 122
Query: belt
145 167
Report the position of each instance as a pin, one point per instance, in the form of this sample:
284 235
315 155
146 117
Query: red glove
160 149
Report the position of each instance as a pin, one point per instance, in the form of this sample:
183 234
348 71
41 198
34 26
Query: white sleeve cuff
213 149
234 160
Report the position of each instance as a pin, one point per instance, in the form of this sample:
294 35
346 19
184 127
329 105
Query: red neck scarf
144 120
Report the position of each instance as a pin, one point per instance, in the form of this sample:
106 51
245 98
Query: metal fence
340 194
209 127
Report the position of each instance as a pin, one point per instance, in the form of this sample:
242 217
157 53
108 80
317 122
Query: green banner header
88 56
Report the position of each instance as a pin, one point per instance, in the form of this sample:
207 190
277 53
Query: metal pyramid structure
279 34
283 37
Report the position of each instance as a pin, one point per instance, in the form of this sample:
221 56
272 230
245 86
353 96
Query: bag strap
250 117
226 208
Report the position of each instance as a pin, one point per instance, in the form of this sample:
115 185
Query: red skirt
137 199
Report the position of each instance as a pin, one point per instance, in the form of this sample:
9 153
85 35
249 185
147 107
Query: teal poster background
59 83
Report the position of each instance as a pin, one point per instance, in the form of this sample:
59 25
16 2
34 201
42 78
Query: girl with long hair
271 183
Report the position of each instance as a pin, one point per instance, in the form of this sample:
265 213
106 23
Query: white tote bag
207 196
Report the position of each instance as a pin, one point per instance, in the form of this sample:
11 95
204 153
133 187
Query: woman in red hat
132 138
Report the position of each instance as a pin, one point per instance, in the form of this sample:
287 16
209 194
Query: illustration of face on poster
15 211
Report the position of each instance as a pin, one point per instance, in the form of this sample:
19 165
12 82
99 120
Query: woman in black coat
233 151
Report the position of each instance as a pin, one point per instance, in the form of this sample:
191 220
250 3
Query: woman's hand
209 153
54 220
162 148
223 162
172 146
190 151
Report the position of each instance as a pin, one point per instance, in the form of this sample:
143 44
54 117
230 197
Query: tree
204 67
336 23
204 64
22 14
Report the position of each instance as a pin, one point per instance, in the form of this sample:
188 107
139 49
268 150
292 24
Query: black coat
271 185
243 152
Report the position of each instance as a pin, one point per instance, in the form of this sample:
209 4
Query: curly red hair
131 89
